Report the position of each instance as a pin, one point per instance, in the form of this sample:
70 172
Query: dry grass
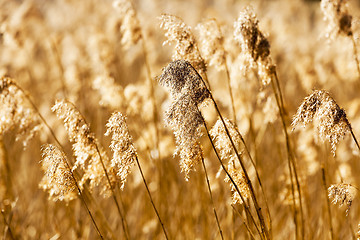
179 119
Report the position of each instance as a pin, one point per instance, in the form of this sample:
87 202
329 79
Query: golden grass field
179 119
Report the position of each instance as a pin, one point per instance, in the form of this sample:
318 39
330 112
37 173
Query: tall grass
179 119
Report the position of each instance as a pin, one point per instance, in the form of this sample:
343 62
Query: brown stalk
327 199
247 179
11 235
291 160
66 162
247 209
246 225
123 220
211 199
355 53
151 199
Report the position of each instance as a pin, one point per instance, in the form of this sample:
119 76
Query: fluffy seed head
185 45
130 27
212 42
86 147
16 112
238 176
183 116
342 194
329 118
124 153
58 179
336 13
221 139
253 43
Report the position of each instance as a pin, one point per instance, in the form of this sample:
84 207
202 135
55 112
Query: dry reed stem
290 156
323 178
211 199
252 236
247 179
247 209
8 227
151 199
92 141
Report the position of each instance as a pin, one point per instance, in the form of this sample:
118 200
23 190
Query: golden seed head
130 27
16 112
336 13
176 31
58 179
330 120
342 194
86 147
124 153
212 42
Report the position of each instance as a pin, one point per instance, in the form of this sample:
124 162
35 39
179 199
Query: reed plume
16 112
330 120
226 151
254 44
187 91
176 31
130 27
212 43
58 179
85 146
342 194
339 20
124 153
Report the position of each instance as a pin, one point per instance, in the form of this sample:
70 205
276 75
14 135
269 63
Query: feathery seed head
58 179
86 147
182 79
212 42
329 118
221 139
238 176
185 44
336 13
16 112
124 153
130 27
183 116
248 34
254 44
342 194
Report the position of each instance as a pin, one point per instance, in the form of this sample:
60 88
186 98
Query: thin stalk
280 104
58 62
84 202
230 91
211 198
258 179
247 209
355 140
66 162
152 96
11 235
151 200
246 225
247 178
355 53
123 221
327 200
